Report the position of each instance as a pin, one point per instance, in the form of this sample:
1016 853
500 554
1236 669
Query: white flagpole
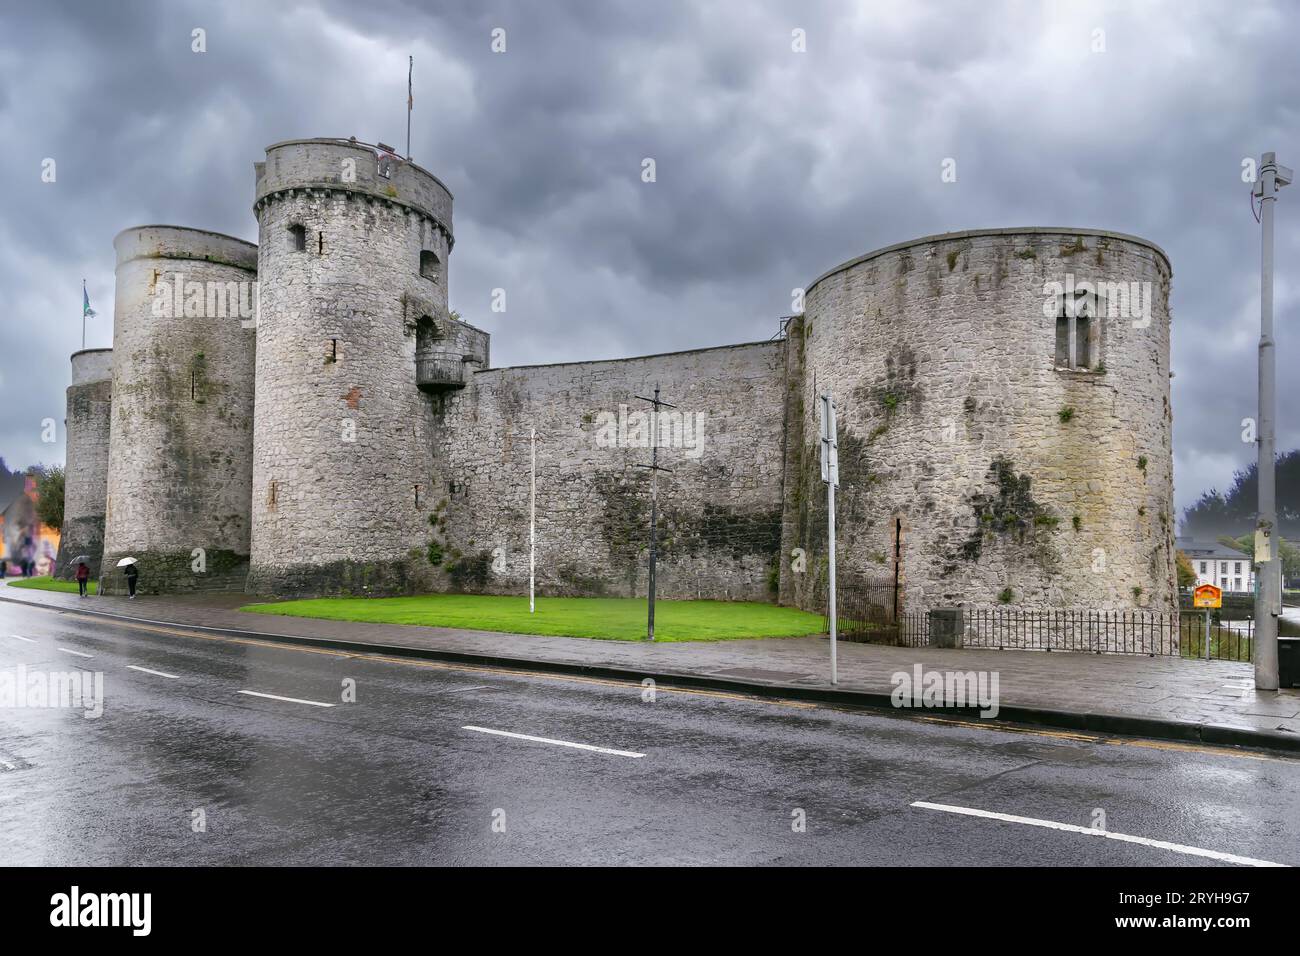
532 522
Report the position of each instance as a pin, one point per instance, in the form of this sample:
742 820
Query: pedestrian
4 568
83 577
131 574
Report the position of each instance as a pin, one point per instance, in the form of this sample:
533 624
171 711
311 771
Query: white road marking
68 650
1090 831
19 637
558 743
145 670
291 700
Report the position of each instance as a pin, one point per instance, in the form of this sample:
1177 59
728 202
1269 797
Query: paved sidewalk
1213 701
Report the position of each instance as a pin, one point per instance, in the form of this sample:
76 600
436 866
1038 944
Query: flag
86 310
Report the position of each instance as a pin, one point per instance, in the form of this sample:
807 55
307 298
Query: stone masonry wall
720 506
342 456
1011 479
86 472
180 446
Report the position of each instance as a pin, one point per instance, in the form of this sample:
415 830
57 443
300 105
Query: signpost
831 475
532 520
1209 597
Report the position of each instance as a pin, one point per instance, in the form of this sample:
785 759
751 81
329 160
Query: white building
1217 564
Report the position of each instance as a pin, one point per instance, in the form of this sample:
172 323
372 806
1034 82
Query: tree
1235 512
1289 553
49 495
1186 573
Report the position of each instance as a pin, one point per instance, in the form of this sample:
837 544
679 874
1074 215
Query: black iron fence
863 617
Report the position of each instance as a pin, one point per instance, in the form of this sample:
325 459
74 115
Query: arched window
430 267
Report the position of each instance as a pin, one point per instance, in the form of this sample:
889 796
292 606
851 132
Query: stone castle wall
86 472
180 446
342 450
385 455
720 505
970 461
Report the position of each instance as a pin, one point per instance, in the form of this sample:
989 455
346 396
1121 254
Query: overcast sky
772 165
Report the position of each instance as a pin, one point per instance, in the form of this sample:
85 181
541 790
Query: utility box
947 627
1288 661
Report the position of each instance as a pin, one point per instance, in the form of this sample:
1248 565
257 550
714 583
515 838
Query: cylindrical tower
180 456
353 263
86 469
1005 434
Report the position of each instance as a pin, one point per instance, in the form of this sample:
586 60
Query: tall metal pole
831 475
532 522
410 102
1268 593
655 405
83 315
654 509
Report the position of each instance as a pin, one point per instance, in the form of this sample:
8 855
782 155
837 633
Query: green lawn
49 584
617 619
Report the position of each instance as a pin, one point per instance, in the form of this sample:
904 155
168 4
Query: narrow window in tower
271 491
417 496
429 264
332 352
193 386
1083 342
1062 341
298 238
320 243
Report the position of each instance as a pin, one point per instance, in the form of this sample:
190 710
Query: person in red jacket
83 576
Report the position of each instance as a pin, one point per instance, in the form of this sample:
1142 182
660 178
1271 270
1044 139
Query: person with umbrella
132 573
83 575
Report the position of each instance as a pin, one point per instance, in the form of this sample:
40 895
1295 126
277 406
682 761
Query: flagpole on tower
85 297
410 103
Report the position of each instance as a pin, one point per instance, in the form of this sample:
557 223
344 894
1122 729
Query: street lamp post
1268 593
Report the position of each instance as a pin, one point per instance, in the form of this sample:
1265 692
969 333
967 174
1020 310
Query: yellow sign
1207 595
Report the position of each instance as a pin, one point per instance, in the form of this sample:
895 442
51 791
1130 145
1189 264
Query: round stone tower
86 471
1005 433
354 244
180 451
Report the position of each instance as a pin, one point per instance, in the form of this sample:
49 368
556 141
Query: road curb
1125 725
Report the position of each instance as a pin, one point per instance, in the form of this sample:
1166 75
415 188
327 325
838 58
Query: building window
1077 333
430 267
1238 585
1236 567
1203 569
298 238
1223 567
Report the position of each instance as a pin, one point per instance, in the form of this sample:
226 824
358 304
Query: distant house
23 537
1217 564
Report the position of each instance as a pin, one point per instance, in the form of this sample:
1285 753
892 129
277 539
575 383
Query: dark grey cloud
772 165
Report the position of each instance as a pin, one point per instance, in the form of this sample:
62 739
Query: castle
1003 395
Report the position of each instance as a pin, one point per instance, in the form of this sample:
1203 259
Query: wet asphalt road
393 778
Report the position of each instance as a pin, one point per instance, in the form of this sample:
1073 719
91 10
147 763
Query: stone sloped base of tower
174 572
80 536
356 578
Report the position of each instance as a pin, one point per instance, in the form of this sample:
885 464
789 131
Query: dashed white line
19 637
68 650
1090 831
145 670
291 700
558 743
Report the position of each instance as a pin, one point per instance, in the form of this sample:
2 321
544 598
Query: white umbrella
125 561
